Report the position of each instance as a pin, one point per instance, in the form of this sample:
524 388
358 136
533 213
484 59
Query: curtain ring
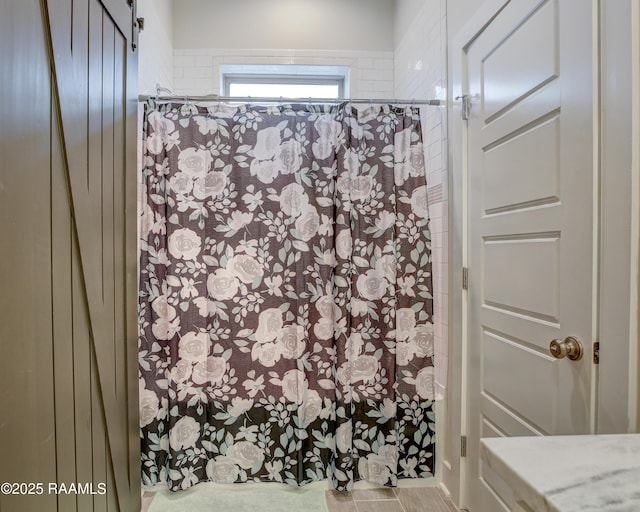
188 104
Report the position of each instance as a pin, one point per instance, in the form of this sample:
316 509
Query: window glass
300 90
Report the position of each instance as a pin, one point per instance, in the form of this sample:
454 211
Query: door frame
634 359
454 474
617 258
618 369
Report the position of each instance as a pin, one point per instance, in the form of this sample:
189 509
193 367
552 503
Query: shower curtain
285 308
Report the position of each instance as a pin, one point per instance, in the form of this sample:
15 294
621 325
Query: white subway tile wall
420 72
156 45
197 71
416 69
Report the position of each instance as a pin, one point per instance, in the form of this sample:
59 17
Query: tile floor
406 499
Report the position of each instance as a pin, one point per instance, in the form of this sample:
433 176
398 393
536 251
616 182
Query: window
286 81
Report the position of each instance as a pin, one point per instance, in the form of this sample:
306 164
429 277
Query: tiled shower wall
420 72
416 69
155 62
197 71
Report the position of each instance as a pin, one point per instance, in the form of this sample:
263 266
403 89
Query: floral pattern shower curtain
285 310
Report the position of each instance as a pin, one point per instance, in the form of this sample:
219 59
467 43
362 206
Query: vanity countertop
570 473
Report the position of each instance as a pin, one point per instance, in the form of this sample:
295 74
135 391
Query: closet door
68 372
531 230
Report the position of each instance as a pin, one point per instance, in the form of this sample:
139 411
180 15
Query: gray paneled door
531 229
68 337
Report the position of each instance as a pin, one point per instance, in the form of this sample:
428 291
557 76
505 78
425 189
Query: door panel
530 203
538 179
522 262
514 68
99 94
68 375
536 370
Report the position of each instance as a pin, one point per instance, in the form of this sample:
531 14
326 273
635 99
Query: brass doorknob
570 347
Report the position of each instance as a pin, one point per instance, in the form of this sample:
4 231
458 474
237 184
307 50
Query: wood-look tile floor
406 499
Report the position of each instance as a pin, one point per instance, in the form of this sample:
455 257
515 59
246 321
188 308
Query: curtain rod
252 99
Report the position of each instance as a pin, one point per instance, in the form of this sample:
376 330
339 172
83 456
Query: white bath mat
206 498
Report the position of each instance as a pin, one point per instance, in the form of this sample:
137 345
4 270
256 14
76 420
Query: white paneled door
531 230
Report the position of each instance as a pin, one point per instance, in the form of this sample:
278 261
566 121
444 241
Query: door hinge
596 352
463 446
466 106
135 24
465 278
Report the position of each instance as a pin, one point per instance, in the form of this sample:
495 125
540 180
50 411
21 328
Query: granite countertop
569 473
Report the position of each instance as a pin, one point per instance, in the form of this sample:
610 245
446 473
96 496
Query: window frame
285 79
